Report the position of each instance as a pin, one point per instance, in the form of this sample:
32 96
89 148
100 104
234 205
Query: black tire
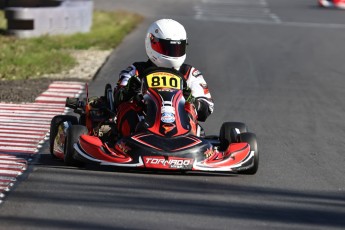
250 138
82 119
54 127
108 94
228 133
73 135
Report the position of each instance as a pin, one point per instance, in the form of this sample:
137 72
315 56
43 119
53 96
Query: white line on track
56 105
20 127
58 99
30 110
12 148
15 160
6 183
79 84
32 120
230 9
25 131
65 91
4 189
20 152
27 112
12 166
9 131
58 86
33 144
235 2
238 11
58 93
27 119
314 25
22 136
32 105
275 23
25 125
7 178
24 145
28 115
6 156
10 172
11 161
19 140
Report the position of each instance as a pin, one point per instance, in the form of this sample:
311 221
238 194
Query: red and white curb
24 128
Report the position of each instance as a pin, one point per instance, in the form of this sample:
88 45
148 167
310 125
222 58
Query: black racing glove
133 86
201 106
131 90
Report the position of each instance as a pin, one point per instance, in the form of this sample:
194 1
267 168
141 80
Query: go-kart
166 138
332 3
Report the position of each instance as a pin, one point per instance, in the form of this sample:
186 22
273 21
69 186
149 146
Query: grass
33 57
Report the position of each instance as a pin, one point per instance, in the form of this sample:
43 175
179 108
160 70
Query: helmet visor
171 48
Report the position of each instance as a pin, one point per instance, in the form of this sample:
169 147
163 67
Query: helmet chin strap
154 63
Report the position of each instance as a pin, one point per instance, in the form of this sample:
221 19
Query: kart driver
165 44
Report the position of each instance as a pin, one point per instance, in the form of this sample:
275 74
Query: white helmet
165 43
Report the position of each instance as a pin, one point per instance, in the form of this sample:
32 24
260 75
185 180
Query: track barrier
32 18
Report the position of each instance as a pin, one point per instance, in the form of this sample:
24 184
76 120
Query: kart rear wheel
250 138
54 127
73 135
229 133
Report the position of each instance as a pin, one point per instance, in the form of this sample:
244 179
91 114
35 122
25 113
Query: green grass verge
33 57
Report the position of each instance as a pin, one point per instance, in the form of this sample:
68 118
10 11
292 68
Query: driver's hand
134 85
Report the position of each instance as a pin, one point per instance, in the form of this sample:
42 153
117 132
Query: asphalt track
276 65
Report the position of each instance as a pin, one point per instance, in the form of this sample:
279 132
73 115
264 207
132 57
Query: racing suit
195 91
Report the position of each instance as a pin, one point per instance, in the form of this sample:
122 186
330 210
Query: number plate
163 80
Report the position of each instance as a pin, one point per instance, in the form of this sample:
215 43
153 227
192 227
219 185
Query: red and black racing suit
127 117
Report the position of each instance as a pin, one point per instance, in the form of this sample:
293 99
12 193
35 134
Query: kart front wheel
54 128
108 94
250 138
229 133
73 135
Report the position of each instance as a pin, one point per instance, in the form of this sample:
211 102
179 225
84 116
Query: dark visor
172 48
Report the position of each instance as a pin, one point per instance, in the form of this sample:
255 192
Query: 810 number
163 81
